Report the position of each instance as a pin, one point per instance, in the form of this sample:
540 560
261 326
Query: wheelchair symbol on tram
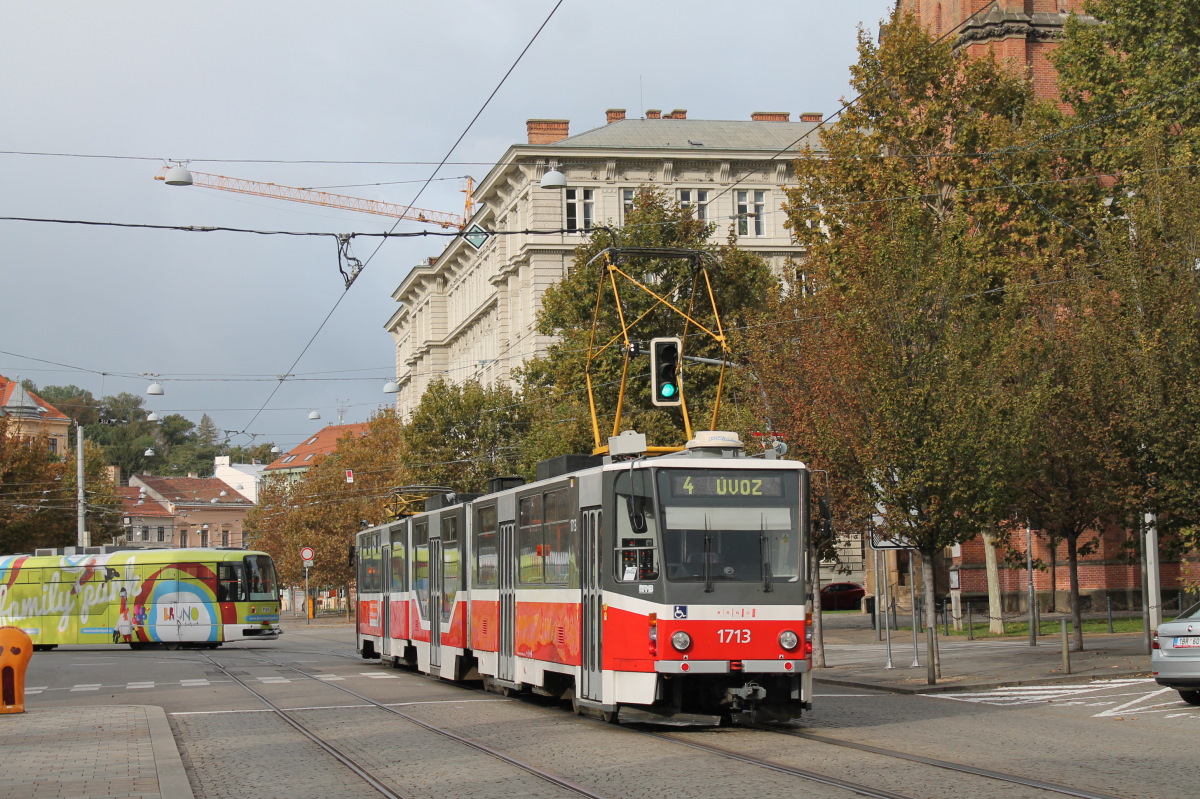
681 611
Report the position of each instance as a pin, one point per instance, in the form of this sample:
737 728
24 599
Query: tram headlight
681 640
789 640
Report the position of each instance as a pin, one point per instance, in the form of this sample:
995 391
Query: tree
324 510
1131 81
739 280
38 496
927 218
460 436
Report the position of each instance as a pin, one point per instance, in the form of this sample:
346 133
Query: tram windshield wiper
708 581
765 554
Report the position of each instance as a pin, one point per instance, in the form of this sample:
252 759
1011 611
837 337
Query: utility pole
81 536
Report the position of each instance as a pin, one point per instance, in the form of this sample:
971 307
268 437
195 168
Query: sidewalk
113 751
855 658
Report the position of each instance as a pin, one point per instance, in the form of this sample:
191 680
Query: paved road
1121 737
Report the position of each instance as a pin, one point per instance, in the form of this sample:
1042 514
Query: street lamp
314 414
391 387
553 179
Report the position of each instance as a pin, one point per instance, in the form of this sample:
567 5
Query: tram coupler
749 694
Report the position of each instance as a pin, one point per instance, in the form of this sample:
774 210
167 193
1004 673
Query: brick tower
1022 32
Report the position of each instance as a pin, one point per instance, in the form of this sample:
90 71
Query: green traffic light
667 390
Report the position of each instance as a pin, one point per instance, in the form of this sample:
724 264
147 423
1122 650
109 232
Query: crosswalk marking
328 677
1032 694
378 675
136 685
194 683
274 680
94 686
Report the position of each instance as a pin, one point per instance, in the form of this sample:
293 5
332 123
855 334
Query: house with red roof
199 512
292 464
28 416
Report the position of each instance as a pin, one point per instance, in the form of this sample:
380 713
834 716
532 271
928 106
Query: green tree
906 372
740 280
460 436
1132 82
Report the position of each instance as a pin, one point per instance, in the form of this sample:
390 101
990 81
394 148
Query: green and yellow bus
140 597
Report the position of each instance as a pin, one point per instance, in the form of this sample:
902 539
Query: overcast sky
239 88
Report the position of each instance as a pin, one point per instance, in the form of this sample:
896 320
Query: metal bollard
16 648
1108 605
1066 649
946 618
970 624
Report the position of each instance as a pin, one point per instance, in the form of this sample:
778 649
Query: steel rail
946 764
286 717
461 739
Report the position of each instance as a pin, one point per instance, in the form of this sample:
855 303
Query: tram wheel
1191 697
610 716
171 646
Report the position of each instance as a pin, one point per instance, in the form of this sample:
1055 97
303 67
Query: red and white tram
667 589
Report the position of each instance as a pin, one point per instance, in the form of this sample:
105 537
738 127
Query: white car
1175 655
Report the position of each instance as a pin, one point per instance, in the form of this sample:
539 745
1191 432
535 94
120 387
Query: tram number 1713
728 636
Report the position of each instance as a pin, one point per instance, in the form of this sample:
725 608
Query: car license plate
1182 642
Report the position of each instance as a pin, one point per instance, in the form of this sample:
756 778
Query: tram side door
593 604
435 601
385 603
506 575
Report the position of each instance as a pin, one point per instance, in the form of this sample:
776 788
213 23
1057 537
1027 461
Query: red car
842 596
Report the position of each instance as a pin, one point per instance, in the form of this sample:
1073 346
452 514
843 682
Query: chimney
811 116
615 115
771 116
654 113
678 113
546 131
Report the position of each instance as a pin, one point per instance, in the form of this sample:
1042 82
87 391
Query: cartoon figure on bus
124 628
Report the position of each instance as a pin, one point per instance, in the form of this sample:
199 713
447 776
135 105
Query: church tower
1021 32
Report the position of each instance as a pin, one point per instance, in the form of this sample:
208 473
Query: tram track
737 754
365 773
862 788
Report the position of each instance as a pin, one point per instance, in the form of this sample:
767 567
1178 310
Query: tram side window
558 543
529 540
485 547
637 527
231 582
260 571
420 541
399 558
371 556
450 577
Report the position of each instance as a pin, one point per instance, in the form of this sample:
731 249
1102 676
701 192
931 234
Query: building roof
320 443
135 503
699 135
193 490
17 402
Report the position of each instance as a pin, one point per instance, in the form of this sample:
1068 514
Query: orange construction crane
179 175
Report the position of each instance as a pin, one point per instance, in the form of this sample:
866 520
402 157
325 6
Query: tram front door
435 602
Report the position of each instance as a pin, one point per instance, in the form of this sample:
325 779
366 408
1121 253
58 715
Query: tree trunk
818 626
1053 577
930 602
992 566
1076 611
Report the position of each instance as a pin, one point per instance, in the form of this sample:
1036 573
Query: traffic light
666 389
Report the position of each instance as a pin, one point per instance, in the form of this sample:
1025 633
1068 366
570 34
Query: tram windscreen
743 523
260 573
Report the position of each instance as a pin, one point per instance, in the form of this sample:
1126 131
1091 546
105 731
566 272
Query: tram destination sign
734 483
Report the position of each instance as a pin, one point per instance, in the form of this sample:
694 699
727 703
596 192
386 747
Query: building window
581 209
145 533
204 538
224 538
751 206
697 200
627 196
162 533
183 538
53 446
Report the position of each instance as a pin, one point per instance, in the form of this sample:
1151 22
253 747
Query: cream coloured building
470 311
